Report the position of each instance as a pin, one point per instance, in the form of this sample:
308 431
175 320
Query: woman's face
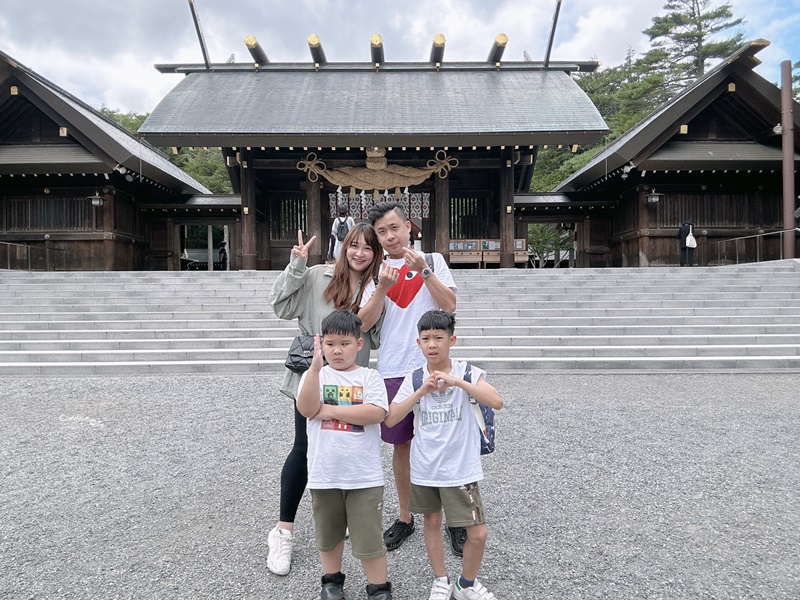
360 254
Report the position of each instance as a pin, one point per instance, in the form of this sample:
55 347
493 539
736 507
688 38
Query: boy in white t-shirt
344 404
446 453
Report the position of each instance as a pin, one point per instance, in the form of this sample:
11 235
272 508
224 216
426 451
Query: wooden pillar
644 209
787 145
109 249
314 224
209 246
249 245
442 223
506 196
265 237
174 261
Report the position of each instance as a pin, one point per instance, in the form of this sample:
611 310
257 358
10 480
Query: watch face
425 273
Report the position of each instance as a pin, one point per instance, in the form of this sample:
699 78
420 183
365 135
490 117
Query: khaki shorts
360 510
462 505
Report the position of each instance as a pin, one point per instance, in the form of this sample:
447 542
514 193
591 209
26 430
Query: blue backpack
484 415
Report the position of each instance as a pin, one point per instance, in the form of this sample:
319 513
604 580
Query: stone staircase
744 318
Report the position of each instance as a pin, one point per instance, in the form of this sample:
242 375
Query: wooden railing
19 257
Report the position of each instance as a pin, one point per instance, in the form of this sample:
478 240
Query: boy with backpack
445 452
344 404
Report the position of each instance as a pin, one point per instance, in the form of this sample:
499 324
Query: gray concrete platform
603 485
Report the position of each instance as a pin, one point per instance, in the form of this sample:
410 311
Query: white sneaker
441 590
279 560
475 592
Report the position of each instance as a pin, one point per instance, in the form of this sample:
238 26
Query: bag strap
476 408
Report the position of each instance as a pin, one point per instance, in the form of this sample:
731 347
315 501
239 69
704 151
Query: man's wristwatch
425 273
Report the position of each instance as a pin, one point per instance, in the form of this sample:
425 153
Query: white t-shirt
406 302
446 447
342 455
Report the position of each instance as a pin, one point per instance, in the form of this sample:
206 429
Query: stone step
512 343
628 319
634 364
477 352
521 309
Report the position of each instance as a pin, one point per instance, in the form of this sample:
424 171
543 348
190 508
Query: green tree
546 241
685 39
206 165
130 121
796 80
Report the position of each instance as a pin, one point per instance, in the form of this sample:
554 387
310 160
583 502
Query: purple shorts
404 430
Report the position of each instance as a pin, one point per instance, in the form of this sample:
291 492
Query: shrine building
454 142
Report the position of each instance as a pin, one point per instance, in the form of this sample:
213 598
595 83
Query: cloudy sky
103 51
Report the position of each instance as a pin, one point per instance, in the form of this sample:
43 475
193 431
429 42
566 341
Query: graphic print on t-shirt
440 411
406 288
342 395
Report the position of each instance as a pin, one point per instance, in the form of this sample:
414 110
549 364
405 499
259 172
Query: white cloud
103 52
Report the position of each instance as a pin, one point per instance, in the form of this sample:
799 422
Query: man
687 252
407 288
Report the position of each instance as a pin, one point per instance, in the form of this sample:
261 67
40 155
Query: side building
78 192
711 155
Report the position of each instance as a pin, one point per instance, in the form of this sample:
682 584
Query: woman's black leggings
294 475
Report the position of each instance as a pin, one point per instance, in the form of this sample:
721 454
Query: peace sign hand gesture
301 249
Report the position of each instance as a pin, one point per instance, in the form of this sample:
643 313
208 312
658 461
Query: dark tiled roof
360 107
49 158
714 155
640 139
114 145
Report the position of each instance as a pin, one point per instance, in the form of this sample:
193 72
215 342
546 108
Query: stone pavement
603 485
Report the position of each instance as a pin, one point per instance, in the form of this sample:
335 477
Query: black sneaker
458 536
332 587
381 591
397 533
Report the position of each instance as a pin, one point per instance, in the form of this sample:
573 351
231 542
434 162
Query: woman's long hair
338 291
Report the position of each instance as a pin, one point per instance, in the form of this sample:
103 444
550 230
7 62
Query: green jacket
297 294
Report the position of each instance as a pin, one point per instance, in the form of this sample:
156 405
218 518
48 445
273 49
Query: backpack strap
416 378
416 382
476 408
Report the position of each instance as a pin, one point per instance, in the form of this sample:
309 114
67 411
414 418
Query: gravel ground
602 486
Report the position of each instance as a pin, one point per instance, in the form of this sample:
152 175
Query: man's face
393 233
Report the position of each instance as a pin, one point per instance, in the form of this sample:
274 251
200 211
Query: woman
309 294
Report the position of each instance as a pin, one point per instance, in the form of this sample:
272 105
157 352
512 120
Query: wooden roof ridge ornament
376 49
378 174
437 49
498 47
256 51
317 53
